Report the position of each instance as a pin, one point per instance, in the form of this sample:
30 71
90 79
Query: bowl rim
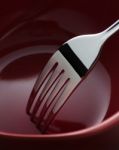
96 129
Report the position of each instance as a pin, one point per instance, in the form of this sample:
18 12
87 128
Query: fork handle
110 31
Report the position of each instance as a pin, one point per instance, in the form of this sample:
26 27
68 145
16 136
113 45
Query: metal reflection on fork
63 73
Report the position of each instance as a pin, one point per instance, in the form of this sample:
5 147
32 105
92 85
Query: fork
67 67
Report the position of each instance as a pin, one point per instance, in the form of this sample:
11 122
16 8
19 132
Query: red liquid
21 61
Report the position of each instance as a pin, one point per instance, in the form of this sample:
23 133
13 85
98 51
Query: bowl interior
27 41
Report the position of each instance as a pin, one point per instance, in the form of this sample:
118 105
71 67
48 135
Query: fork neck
110 31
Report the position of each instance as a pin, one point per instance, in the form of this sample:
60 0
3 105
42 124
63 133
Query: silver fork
62 74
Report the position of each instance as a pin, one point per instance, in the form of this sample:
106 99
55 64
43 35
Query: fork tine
49 92
41 90
44 93
47 114
38 84
51 97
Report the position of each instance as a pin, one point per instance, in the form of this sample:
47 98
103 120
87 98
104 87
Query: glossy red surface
22 32
20 67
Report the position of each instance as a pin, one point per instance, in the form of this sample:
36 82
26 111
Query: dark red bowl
27 26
